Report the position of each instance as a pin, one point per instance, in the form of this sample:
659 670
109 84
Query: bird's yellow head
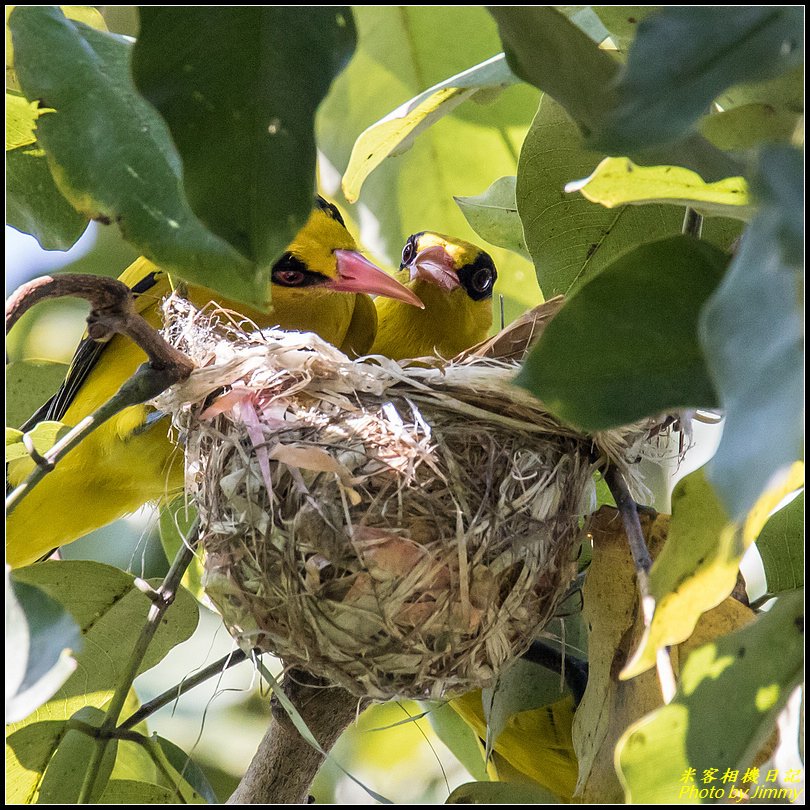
448 264
324 258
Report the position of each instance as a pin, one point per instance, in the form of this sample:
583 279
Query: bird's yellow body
454 281
534 745
130 460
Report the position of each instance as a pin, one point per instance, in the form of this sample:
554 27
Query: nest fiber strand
398 531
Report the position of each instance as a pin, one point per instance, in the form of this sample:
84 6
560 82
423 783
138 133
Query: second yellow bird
454 279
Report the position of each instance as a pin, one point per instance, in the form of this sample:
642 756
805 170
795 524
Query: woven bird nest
398 531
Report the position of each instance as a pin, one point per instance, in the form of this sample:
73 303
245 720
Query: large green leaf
697 569
395 133
571 239
781 546
41 638
626 345
111 154
729 695
757 361
683 57
618 181
401 52
34 204
493 215
551 52
29 384
238 87
111 613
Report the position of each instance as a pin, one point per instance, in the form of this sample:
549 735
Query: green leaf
41 638
34 204
756 362
729 695
29 384
552 53
459 738
749 126
684 57
65 774
395 133
189 772
401 51
697 568
43 436
111 154
572 240
618 181
781 546
626 345
549 51
111 613
493 215
501 793
174 522
129 791
239 87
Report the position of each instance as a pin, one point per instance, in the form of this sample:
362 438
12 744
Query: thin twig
167 591
113 311
145 384
628 509
226 662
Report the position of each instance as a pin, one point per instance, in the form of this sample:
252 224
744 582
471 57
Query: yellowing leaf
618 181
394 134
21 120
697 568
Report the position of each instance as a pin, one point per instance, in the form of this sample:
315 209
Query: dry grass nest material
398 531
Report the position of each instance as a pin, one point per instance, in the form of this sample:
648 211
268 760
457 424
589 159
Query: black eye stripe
478 277
410 244
292 264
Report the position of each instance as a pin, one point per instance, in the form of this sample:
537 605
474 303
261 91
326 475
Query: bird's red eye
408 252
289 278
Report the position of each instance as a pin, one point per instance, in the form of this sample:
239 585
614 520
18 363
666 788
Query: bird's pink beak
434 265
358 275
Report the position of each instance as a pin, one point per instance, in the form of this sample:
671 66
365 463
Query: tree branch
285 764
628 509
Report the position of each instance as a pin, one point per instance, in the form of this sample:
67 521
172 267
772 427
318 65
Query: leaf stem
628 509
167 591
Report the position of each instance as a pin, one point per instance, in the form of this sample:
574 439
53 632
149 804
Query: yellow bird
454 280
320 284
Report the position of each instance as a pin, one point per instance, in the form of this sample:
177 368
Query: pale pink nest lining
398 531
